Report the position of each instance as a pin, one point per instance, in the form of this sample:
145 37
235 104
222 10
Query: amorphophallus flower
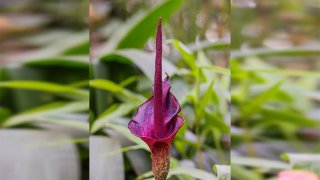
156 121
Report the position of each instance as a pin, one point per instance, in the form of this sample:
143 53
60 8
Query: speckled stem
160 160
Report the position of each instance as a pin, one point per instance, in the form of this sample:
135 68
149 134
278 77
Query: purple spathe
156 121
142 123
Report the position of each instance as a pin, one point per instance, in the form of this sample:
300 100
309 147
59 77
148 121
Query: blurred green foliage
274 87
44 71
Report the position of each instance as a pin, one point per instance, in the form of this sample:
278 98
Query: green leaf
200 109
47 87
180 145
205 65
84 126
63 142
272 52
309 162
203 62
129 80
216 69
286 72
258 162
144 61
196 173
36 114
57 47
4 113
255 104
204 45
112 113
107 85
194 95
136 31
145 175
241 173
223 172
215 121
66 61
81 48
290 117
126 132
122 150
79 84
187 54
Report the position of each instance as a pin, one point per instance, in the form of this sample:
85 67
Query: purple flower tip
157 120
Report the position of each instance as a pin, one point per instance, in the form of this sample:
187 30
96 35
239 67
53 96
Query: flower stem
160 160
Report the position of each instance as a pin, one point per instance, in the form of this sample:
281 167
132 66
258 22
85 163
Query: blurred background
44 97
275 87
196 40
